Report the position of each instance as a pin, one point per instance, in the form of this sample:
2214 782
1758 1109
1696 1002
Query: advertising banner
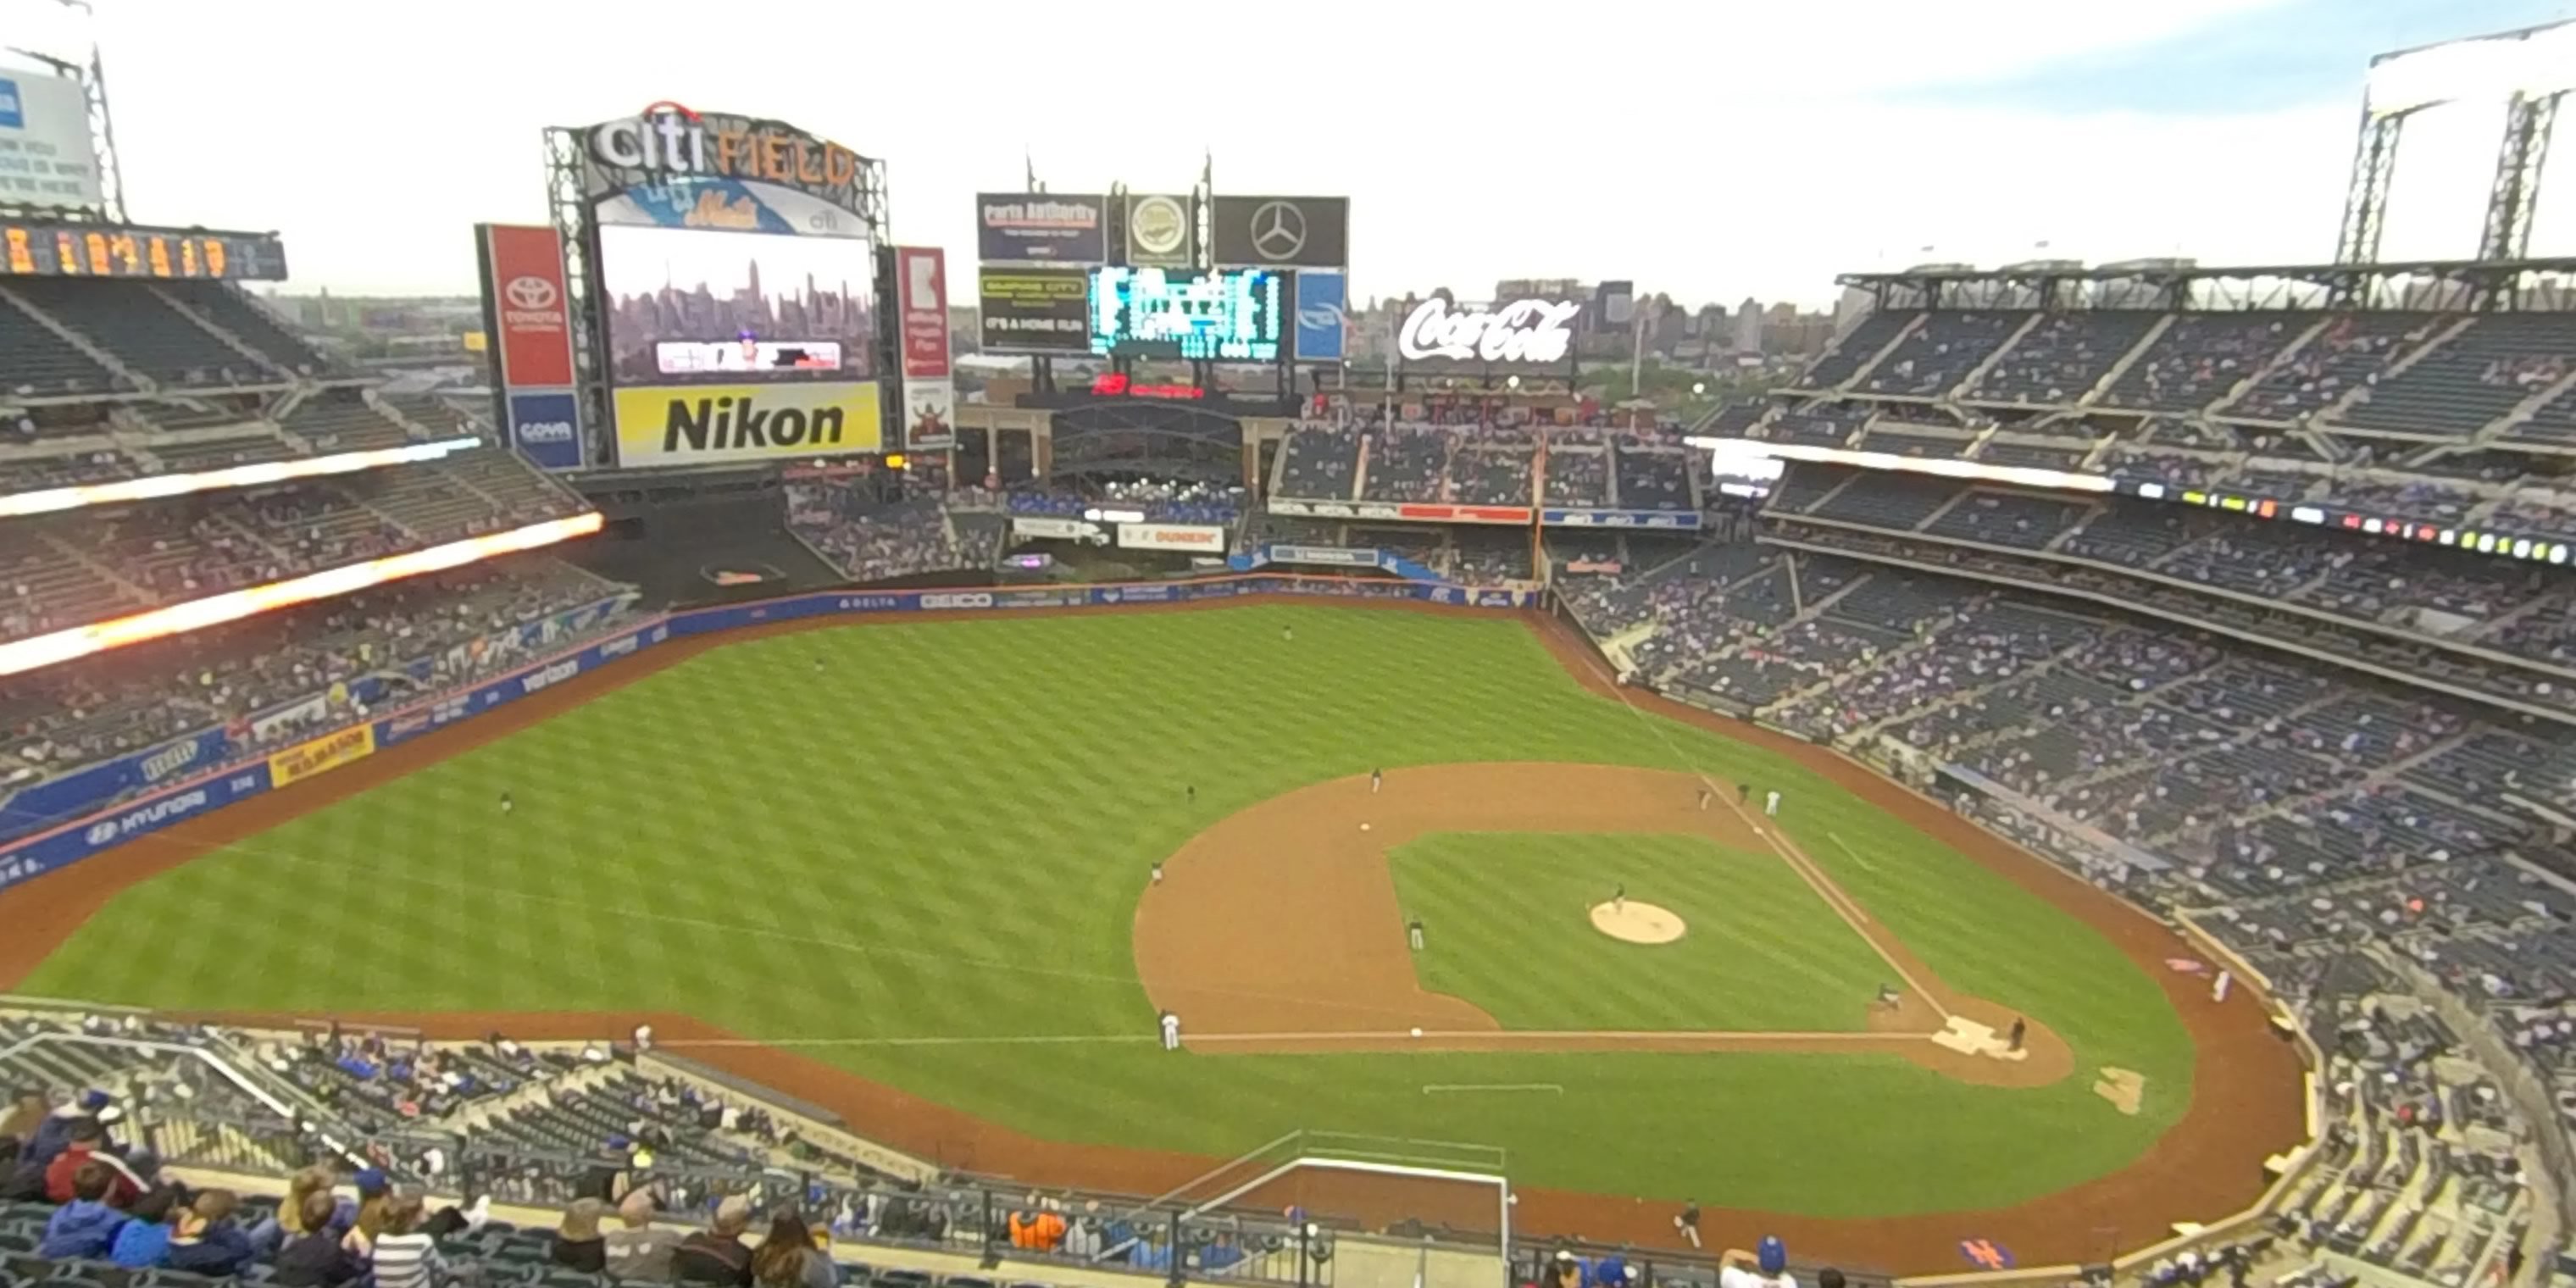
543 426
1171 536
1323 318
1334 556
929 391
530 306
1048 227
1520 333
67 845
45 158
322 755
70 795
1034 310
1283 232
1678 520
921 278
1159 231
729 424
673 167
929 414
1052 529
1407 511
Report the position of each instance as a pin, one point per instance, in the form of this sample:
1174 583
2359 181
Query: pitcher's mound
1637 923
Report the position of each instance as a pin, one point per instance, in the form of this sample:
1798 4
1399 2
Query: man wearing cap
1770 1259
89 1144
54 1134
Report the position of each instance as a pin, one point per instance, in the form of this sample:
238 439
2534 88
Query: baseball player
1413 934
1288 633
1618 899
1158 872
1705 796
1192 789
1888 997
1171 1031
2019 1028
1743 793
1688 1221
507 804
818 666
2218 991
1377 779
1771 804
1771 1261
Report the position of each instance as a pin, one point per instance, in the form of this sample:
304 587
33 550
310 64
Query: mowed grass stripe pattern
942 830
1507 926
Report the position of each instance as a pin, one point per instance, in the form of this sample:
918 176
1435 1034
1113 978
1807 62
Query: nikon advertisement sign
689 425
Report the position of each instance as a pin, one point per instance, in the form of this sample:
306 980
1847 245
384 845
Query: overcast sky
1712 150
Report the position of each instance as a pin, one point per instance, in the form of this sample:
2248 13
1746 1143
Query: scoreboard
40 249
1226 315
744 357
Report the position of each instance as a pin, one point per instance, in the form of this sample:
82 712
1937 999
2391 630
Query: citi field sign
677 142
676 167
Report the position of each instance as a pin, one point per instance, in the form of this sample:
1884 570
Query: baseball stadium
768 771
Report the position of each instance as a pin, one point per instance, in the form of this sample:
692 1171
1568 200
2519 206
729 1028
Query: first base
1364 827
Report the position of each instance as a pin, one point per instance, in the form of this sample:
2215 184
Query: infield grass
943 832
1506 927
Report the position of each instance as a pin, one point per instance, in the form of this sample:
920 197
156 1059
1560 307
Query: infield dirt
2245 1096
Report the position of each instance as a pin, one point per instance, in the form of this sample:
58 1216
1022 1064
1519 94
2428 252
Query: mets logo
102 832
1986 1254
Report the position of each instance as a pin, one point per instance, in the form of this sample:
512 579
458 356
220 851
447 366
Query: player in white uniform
1171 1031
1771 805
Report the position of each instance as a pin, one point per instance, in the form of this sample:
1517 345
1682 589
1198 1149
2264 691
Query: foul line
1774 837
1554 1035
1435 1088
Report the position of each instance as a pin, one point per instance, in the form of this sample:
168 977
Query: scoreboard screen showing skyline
1228 315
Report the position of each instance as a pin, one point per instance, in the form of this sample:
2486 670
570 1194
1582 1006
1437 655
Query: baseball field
908 870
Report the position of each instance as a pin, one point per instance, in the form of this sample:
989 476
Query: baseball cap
371 1181
1772 1254
93 1100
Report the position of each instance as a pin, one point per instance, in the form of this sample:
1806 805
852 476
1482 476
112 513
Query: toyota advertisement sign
532 312
527 310
1283 232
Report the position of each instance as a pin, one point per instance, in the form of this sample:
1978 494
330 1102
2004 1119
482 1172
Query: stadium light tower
2530 68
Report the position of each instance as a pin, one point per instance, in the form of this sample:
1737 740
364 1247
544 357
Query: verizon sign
1521 331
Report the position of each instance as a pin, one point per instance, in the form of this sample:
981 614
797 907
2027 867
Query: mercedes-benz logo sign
1278 230
530 293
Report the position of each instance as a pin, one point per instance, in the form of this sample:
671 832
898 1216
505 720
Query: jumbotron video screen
713 307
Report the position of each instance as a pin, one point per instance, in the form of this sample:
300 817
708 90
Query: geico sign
1521 331
967 599
671 138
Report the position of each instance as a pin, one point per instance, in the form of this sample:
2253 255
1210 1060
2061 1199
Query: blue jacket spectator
144 1242
207 1242
85 1227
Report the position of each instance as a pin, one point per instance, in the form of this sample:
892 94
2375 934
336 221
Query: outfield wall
27 858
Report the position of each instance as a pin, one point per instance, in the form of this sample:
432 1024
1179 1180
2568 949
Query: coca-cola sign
1521 331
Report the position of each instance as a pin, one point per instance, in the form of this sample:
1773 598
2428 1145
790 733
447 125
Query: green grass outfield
1504 927
944 834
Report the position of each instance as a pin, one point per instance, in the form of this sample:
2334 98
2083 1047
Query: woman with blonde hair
299 1187
578 1245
